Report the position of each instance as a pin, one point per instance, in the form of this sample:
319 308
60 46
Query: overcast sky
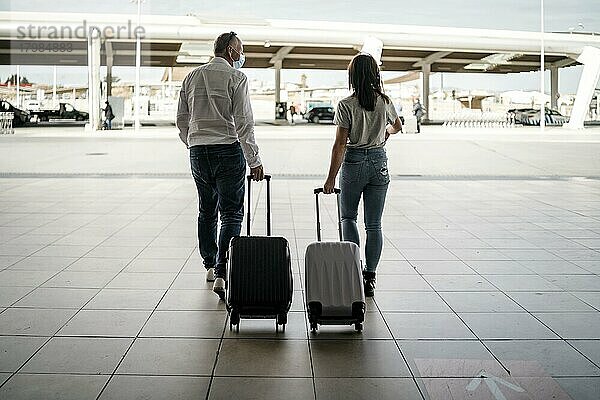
494 14
560 15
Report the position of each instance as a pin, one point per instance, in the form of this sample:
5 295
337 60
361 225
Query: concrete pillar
598 107
94 81
138 62
590 58
278 65
554 87
18 86
54 87
426 71
170 91
109 65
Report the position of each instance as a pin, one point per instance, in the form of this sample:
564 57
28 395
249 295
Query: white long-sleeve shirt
214 108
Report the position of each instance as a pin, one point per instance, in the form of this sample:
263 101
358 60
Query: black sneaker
369 283
219 287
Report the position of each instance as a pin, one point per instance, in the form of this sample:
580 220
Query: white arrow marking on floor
490 381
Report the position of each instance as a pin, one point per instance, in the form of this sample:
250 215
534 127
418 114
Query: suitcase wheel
277 327
234 319
313 327
281 319
358 326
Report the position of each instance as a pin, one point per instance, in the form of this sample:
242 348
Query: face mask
238 64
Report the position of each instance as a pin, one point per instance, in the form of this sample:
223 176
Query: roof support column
54 105
18 86
278 65
425 71
138 63
94 82
554 87
590 58
109 65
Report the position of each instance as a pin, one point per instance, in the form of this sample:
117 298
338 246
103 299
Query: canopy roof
187 40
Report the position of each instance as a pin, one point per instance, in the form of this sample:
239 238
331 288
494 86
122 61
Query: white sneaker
219 288
210 275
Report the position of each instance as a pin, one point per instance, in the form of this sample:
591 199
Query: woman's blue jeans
364 174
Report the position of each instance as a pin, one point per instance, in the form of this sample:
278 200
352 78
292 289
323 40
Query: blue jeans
364 174
219 172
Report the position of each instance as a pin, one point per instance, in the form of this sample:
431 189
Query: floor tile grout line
473 332
73 316
450 307
26 361
504 293
51 277
214 368
394 337
33 229
156 305
83 255
412 373
521 306
528 312
62 326
564 210
597 308
477 273
76 313
306 327
548 327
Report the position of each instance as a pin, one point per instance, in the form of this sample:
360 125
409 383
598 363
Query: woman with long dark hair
364 122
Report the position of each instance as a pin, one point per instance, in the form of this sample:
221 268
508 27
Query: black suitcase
259 273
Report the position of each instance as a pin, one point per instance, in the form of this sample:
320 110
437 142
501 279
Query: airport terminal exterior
488 285
28 38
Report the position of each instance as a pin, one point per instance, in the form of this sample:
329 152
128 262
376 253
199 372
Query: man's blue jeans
219 172
364 174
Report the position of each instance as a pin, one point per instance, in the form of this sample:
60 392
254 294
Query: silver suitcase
333 279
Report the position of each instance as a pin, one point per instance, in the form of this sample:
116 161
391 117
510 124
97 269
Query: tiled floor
488 289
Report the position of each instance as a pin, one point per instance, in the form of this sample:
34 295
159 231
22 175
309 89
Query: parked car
20 117
520 114
64 111
318 114
552 117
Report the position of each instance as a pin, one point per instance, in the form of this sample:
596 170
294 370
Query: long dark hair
365 80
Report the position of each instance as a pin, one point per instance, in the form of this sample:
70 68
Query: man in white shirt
215 122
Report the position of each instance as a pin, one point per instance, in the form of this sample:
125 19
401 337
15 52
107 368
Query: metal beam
563 63
430 59
281 54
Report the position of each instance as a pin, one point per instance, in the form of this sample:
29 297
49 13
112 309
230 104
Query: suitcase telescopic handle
248 220
339 212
